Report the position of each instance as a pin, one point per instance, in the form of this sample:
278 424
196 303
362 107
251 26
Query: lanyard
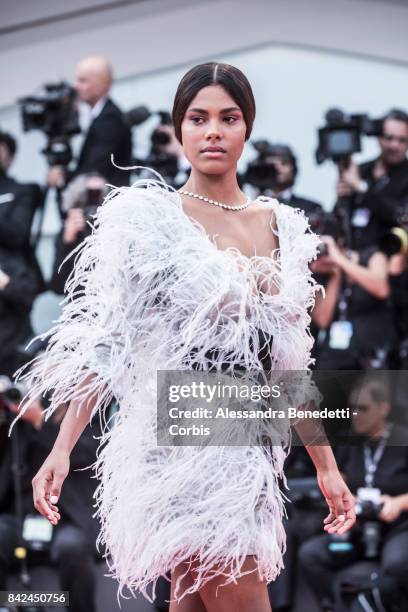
371 461
342 305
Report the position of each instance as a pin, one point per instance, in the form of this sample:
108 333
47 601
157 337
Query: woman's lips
213 152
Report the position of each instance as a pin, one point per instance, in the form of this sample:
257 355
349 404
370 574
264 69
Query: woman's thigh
189 603
248 594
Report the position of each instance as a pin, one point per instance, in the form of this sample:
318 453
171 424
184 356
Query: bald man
107 133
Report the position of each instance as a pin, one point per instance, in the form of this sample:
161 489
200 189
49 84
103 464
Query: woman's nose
213 131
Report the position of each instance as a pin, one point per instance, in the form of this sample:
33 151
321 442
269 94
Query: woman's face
213 131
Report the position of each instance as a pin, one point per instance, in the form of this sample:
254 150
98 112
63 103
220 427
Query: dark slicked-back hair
230 78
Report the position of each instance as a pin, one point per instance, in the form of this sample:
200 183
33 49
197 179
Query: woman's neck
223 187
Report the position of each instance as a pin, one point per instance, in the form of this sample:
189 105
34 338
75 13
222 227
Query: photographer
72 549
284 161
166 154
80 201
107 134
379 187
379 190
18 288
355 314
375 468
16 203
273 174
19 282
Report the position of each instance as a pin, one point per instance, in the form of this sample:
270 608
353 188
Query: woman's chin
213 167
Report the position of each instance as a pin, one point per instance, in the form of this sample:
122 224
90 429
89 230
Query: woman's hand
334 254
325 265
341 502
47 485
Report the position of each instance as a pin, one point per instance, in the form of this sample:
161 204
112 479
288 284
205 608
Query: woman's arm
48 481
74 422
373 277
338 497
325 305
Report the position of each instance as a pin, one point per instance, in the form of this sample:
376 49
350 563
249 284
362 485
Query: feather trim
150 290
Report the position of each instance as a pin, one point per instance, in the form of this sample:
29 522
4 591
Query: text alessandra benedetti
291 413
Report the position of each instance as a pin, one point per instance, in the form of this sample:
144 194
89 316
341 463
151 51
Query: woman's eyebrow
231 109
198 110
202 111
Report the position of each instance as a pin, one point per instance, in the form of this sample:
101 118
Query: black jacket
16 300
391 476
383 199
62 269
17 207
107 135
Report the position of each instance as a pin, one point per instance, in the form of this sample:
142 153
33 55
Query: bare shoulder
266 210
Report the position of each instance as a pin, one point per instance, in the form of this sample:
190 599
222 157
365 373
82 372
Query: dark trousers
301 524
71 553
320 566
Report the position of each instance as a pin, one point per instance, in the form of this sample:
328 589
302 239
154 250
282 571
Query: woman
194 280
355 313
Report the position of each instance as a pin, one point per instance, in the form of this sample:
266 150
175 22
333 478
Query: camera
364 539
163 162
261 172
304 492
326 224
87 192
340 138
367 512
54 112
396 239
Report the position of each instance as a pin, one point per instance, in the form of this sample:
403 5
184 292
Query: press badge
369 494
360 217
340 334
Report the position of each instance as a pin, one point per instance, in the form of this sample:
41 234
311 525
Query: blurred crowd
360 322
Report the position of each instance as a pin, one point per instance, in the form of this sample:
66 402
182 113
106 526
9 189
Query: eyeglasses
400 139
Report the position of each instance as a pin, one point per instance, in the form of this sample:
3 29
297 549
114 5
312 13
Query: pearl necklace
221 204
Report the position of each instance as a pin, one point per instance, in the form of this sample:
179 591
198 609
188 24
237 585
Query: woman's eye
197 120
230 119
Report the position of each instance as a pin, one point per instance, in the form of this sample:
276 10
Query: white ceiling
15 14
41 41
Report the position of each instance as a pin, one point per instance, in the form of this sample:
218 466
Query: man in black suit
18 280
378 191
284 161
16 201
72 549
378 188
107 134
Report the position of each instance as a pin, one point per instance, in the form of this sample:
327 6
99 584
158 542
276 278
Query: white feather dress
150 290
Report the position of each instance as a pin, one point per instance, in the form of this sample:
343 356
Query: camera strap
371 461
343 302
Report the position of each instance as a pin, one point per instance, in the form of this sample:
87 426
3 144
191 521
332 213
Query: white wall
149 35
293 88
